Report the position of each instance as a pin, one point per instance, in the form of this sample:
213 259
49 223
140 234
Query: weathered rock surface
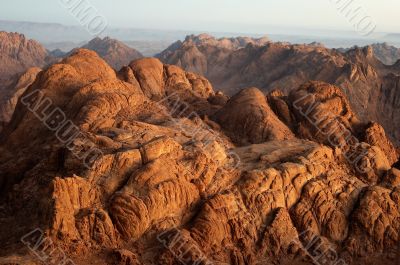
157 168
323 114
248 118
375 135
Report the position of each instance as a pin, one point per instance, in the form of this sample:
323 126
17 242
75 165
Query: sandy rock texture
150 166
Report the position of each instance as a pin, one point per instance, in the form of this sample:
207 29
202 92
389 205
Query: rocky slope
386 53
114 52
12 91
370 85
20 59
18 54
151 166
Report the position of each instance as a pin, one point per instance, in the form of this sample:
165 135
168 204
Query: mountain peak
115 52
224 42
19 53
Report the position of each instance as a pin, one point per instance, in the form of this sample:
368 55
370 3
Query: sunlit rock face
150 166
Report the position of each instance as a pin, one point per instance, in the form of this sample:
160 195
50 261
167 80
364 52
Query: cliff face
365 80
151 166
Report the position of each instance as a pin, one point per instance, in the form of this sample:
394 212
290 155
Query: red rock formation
167 186
323 113
18 54
375 135
247 118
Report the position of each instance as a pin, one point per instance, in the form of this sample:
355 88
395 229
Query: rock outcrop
247 118
150 166
323 113
375 135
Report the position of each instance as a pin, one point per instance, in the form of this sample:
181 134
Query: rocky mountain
370 85
66 37
21 59
198 53
386 53
151 166
18 54
114 52
225 43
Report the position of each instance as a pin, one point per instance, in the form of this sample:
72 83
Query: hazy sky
252 16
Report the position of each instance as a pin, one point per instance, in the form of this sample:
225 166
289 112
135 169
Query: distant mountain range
57 36
151 41
386 53
370 85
